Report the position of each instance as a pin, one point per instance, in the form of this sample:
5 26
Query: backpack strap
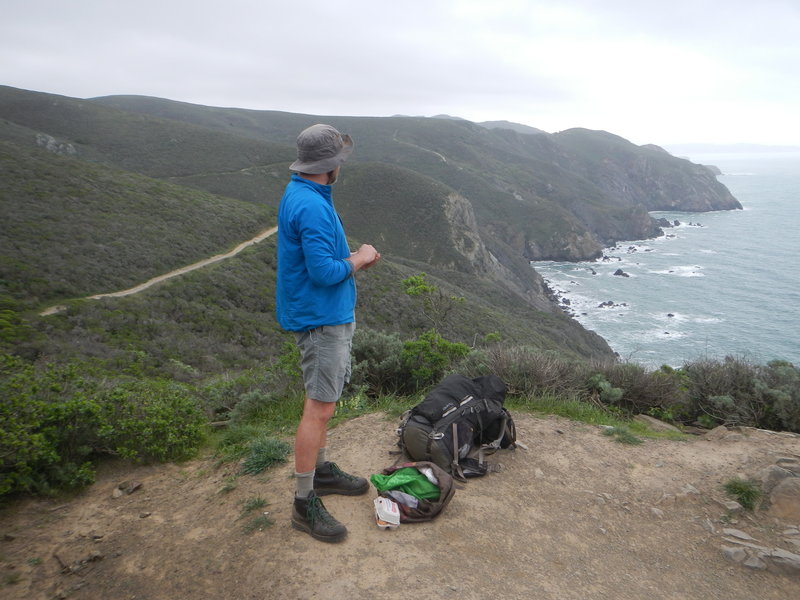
458 472
494 445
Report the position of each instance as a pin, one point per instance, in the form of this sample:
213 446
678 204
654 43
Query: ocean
723 283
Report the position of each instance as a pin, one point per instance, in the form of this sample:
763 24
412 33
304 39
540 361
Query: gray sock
305 484
321 457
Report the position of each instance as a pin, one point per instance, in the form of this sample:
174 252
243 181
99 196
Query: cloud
687 70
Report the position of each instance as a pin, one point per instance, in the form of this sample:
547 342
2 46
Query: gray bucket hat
320 149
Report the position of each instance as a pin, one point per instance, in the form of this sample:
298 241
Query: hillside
103 194
574 516
73 228
562 196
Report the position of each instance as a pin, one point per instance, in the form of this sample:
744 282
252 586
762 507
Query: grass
744 491
229 486
574 410
265 452
253 504
259 522
622 435
620 426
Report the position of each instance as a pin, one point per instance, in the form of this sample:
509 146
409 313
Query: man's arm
364 257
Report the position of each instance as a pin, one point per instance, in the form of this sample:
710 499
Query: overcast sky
652 71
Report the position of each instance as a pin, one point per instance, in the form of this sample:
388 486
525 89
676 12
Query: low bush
663 391
48 427
383 364
55 420
429 357
377 365
151 420
527 370
734 391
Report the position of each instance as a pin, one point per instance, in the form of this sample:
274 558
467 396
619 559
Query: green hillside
73 228
563 196
135 142
105 193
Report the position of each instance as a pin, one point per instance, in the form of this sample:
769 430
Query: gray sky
652 71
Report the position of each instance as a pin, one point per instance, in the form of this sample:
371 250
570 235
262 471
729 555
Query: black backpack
457 424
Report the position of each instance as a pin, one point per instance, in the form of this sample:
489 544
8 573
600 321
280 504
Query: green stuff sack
408 480
427 508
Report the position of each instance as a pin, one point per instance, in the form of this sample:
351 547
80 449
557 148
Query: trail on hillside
159 278
574 516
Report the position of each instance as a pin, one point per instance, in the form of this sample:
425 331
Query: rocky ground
575 515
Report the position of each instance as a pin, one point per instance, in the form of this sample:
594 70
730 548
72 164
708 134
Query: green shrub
725 391
736 392
429 356
602 390
527 370
377 365
254 405
48 423
663 391
150 420
782 383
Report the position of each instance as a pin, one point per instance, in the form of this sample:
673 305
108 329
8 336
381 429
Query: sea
722 283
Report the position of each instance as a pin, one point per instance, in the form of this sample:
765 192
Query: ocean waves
721 283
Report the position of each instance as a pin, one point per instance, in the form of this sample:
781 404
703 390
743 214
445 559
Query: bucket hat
320 149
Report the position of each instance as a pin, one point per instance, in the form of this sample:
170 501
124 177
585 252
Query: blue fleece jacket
315 285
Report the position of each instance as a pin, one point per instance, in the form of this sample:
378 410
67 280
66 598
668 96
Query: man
315 299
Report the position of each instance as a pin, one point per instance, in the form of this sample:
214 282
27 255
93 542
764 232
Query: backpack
458 419
425 510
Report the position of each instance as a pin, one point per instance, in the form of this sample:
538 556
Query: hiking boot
310 515
330 479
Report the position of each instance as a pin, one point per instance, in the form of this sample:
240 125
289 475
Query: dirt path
576 515
143 286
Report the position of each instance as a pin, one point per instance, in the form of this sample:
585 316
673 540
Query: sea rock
785 500
621 273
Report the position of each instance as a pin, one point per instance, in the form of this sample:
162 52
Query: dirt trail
570 517
143 286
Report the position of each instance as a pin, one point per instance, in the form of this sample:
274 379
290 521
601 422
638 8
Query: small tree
436 305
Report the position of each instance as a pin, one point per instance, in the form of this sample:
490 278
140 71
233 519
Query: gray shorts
325 360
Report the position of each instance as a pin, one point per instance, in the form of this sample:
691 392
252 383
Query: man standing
315 299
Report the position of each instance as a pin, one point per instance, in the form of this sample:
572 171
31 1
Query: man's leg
308 513
311 433
325 361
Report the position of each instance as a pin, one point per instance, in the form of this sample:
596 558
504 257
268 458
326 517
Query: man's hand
364 257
